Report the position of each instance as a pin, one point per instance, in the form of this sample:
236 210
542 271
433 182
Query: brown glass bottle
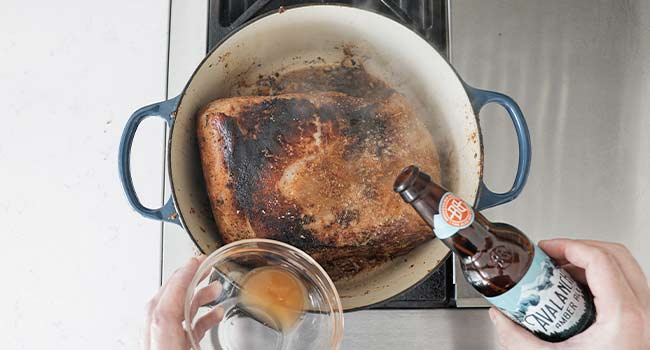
496 257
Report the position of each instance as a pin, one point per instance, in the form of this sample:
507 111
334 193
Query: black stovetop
426 17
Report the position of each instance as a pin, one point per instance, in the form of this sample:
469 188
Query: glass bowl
262 294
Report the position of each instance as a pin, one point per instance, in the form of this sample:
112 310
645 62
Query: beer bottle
501 263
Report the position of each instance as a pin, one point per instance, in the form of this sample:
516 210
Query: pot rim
349 7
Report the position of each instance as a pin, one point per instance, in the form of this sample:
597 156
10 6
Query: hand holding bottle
501 263
621 296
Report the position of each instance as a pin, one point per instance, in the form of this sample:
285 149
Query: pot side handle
480 98
163 110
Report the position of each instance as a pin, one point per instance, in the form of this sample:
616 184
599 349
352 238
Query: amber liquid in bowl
275 296
272 297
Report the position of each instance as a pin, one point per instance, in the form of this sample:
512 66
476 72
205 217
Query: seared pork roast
315 170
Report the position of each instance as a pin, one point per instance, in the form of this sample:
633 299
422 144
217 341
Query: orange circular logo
455 211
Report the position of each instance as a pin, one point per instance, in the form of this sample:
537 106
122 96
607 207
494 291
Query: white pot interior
285 41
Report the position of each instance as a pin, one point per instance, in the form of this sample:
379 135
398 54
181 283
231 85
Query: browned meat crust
316 171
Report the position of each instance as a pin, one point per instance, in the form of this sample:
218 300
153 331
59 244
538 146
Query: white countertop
77 263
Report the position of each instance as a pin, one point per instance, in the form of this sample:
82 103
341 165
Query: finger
149 310
207 321
631 269
577 273
205 274
602 272
205 295
514 337
171 277
151 306
554 249
162 288
170 305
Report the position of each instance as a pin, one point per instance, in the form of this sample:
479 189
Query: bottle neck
428 203
460 228
464 242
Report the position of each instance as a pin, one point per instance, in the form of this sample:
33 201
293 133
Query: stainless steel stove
545 56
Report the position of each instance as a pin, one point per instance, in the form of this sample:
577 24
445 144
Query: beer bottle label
453 215
547 301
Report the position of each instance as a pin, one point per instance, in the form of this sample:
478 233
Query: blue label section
442 229
547 301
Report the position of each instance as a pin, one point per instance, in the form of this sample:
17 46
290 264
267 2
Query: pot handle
480 98
163 110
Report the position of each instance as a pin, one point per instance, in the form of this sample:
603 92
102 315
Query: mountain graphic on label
552 305
530 292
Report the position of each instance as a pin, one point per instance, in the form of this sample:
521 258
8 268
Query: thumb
514 337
